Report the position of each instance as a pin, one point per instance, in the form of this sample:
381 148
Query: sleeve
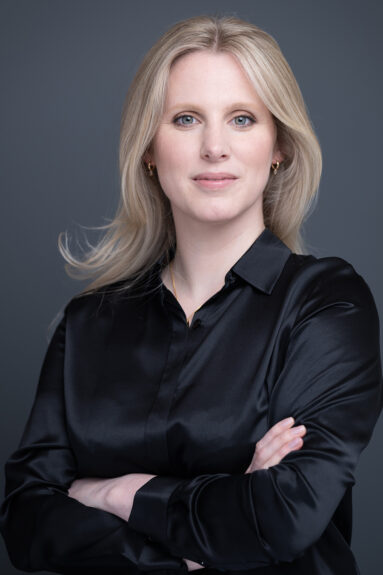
330 380
45 529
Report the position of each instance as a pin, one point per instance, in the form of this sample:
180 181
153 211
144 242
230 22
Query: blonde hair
143 229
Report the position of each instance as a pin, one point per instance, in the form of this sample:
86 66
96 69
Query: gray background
65 69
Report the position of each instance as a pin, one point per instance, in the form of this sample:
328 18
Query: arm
116 494
43 528
330 381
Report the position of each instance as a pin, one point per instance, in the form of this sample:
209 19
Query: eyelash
190 116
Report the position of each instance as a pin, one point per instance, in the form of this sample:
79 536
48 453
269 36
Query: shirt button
196 323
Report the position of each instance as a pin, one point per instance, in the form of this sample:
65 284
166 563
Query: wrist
120 495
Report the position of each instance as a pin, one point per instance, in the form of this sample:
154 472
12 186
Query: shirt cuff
153 556
150 504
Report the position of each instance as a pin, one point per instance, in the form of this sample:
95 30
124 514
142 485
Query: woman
161 435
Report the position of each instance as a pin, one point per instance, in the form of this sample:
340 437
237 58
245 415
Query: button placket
156 427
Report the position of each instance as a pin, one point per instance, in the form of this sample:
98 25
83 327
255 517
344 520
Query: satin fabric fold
127 386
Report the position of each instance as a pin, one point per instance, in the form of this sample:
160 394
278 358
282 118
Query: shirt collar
260 265
263 262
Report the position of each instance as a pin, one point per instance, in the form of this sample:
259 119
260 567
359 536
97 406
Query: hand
114 495
192 565
275 444
91 491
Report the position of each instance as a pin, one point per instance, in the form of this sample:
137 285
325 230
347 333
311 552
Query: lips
214 181
215 176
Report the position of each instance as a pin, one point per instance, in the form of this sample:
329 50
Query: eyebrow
235 105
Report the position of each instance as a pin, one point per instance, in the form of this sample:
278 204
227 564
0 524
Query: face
213 122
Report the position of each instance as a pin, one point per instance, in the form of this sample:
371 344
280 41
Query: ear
278 152
149 155
278 155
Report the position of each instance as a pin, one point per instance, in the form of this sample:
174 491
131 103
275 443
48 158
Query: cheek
169 150
169 160
257 152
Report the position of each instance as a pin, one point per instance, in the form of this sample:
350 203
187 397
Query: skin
213 227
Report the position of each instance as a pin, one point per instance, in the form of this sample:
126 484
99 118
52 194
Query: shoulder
104 301
332 297
92 300
330 278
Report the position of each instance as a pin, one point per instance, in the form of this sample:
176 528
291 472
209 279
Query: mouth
216 183
215 176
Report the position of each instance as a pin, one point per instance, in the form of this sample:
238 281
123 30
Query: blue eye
183 116
247 118
190 123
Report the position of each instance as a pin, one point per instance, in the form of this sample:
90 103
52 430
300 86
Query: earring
150 168
275 166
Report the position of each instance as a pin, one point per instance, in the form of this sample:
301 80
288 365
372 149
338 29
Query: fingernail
288 421
298 429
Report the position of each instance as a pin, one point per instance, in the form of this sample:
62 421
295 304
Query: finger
278 445
276 458
275 431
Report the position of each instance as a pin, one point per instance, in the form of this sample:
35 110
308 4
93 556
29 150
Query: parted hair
142 229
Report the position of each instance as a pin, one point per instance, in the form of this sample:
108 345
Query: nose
214 144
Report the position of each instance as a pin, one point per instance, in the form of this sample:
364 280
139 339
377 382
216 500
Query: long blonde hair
143 229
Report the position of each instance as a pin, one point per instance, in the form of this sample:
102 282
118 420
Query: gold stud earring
150 168
275 166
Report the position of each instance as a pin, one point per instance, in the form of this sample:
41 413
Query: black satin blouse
127 386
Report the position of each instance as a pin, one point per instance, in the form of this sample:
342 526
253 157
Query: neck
205 253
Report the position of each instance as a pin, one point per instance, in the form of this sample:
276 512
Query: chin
218 216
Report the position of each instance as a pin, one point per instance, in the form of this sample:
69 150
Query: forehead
210 78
